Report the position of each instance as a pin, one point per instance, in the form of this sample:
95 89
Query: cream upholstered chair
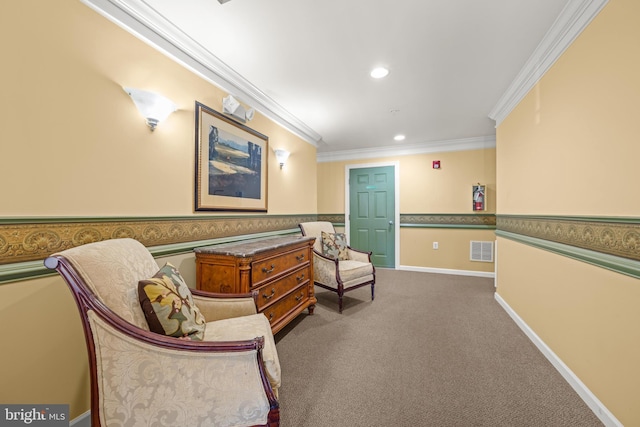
139 377
334 274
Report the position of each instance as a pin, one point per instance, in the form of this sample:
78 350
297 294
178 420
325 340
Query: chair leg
340 292
373 296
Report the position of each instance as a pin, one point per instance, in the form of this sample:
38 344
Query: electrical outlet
435 245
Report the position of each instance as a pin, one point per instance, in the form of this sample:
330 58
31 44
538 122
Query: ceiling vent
481 251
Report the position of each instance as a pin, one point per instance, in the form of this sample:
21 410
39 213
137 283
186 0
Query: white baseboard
607 418
489 274
83 420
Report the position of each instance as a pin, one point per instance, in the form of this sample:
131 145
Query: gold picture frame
231 164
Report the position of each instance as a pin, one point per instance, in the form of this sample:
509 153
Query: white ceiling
450 61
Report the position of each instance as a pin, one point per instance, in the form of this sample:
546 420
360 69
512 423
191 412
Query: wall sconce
282 156
231 106
153 107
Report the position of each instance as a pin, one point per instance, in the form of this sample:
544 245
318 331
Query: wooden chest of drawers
279 268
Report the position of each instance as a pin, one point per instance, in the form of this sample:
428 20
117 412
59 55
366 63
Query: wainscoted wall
434 205
24 240
431 220
469 221
80 164
612 243
568 213
453 232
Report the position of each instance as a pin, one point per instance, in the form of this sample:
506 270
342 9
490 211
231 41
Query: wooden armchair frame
322 262
87 302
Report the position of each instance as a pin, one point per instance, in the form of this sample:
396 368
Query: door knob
390 222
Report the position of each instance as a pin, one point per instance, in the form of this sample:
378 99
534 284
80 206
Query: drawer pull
273 292
264 269
300 278
271 316
300 257
299 297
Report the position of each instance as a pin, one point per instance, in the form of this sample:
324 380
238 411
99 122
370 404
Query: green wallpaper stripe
430 220
25 242
613 236
32 269
609 242
610 262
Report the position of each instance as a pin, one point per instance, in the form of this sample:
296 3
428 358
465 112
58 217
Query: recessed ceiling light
399 137
380 72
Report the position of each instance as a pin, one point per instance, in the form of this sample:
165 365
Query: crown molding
574 18
475 143
136 17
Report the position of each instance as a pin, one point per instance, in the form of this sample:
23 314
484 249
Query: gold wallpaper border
612 236
23 240
429 220
336 219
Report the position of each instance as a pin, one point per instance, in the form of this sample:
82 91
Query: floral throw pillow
334 245
169 307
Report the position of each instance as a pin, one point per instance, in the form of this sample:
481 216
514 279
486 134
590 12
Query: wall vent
481 251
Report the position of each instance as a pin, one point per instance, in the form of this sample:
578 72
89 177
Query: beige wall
424 190
71 125
73 144
453 253
571 148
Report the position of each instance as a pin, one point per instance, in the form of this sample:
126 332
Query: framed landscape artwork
231 164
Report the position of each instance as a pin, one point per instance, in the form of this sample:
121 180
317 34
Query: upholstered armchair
224 371
336 266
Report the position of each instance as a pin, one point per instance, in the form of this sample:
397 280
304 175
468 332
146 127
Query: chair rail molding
448 220
25 242
574 18
430 220
607 242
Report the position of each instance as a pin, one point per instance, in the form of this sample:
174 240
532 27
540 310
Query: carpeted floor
431 350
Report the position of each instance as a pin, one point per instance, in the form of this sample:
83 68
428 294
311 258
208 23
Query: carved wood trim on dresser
279 268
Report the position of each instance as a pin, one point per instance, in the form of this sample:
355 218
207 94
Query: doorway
372 216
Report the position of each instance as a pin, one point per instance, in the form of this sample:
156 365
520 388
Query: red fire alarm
436 164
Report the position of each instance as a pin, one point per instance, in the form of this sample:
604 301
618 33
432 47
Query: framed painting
231 164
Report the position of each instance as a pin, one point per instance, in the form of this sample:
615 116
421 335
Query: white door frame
347 207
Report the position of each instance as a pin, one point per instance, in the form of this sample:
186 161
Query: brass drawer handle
299 297
271 316
300 278
264 269
273 292
300 257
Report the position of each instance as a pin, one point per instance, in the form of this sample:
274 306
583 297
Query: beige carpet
431 350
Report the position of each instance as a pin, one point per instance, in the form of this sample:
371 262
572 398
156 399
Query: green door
372 213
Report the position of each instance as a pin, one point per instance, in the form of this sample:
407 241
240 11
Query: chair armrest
358 255
218 306
324 260
325 270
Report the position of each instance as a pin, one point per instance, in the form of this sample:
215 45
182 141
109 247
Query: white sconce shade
282 156
153 107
